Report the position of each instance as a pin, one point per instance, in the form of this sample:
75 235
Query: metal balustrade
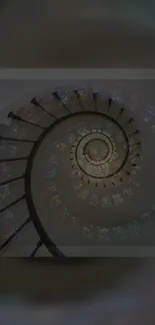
85 172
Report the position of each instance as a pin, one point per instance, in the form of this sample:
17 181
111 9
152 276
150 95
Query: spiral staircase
76 174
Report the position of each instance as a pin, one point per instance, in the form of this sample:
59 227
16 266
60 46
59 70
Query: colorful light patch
4 191
8 150
19 132
7 215
6 170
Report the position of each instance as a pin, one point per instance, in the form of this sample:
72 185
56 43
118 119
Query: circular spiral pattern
82 151
82 170
100 153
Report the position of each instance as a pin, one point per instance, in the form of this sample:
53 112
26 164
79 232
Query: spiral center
97 150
